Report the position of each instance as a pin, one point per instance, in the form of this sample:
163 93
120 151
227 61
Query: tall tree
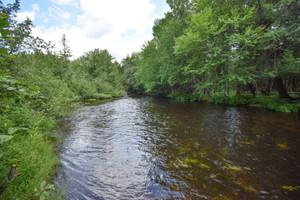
160 71
66 50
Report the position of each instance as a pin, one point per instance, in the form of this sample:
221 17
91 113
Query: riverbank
28 155
32 98
31 150
271 102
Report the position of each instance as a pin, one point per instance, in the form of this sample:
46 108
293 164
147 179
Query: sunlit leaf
11 88
5 138
13 130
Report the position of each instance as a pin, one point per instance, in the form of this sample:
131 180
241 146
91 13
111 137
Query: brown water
146 148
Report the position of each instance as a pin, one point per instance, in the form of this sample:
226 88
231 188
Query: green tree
233 43
159 70
278 51
102 70
65 52
129 67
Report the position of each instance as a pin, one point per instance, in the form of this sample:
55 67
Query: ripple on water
145 148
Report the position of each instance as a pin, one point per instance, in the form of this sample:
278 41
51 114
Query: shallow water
147 148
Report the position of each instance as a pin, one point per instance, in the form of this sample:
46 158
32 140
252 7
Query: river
149 148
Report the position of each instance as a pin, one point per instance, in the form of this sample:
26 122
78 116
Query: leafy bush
232 99
186 97
277 104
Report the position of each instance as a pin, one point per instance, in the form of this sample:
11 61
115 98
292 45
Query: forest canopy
217 49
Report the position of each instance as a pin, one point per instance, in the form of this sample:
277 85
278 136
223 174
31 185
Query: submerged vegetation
223 52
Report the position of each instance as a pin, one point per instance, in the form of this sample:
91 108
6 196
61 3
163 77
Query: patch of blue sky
161 7
48 13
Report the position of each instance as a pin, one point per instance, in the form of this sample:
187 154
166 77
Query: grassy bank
31 148
271 102
31 101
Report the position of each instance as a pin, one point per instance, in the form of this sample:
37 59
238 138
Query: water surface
146 148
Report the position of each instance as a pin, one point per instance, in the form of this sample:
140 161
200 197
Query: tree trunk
265 86
282 92
252 89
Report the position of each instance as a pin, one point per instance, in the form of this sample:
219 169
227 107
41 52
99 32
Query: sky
120 26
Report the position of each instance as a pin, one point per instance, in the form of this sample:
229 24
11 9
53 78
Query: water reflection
145 148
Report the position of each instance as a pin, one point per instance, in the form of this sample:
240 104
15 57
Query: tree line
219 49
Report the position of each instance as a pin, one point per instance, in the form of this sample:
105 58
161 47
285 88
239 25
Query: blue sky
121 26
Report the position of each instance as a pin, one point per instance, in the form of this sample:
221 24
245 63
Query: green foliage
157 70
95 75
277 104
5 138
43 191
32 95
129 67
187 97
215 47
30 148
232 99
65 53
11 88
219 45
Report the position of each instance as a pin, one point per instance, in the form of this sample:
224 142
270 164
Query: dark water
145 148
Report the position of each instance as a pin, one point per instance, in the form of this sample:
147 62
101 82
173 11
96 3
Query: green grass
35 160
31 149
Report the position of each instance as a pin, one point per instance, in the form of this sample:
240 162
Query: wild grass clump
30 149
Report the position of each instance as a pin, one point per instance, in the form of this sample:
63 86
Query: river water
147 148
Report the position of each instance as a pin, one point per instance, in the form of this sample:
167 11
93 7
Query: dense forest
224 52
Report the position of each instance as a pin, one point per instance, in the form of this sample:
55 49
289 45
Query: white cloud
115 16
66 2
117 25
66 15
31 15
58 13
